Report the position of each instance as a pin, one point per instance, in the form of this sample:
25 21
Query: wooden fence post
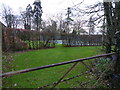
1 37
0 54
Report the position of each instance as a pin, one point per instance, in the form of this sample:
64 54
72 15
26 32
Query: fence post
117 62
1 36
0 54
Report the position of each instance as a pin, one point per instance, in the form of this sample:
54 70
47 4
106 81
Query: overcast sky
49 7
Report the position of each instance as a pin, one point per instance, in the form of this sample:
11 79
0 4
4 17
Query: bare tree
78 27
11 20
7 15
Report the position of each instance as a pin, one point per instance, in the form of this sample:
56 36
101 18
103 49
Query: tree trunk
108 13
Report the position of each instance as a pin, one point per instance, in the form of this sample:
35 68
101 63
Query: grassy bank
44 57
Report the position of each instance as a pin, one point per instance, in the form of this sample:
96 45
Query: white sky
49 7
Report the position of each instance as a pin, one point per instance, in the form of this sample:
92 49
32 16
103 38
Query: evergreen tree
27 17
29 14
69 12
37 14
91 26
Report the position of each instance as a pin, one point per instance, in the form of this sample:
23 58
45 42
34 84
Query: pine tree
69 12
91 26
29 14
37 14
27 17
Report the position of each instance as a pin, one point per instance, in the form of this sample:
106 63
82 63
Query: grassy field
42 57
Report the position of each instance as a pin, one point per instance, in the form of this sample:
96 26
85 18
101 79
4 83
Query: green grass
42 57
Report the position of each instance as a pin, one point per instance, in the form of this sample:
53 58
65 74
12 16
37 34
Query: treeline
23 39
72 40
27 19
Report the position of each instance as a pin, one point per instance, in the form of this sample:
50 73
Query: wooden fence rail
53 65
64 80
